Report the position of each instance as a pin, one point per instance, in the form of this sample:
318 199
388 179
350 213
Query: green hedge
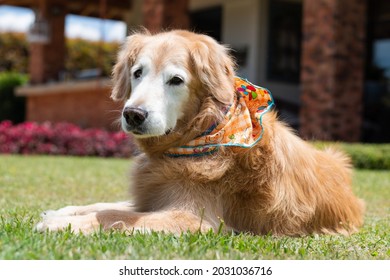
11 107
365 156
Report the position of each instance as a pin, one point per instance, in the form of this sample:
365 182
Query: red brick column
165 14
332 70
47 60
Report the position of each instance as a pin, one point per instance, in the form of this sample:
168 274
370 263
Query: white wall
240 29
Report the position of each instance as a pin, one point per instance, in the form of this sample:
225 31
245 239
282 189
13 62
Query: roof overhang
64 87
109 9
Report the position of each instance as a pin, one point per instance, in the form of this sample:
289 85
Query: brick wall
86 108
332 69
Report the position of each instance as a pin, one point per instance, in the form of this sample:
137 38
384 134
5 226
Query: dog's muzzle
134 118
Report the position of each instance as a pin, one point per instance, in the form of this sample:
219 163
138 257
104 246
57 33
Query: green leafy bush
84 54
80 54
11 107
13 52
365 156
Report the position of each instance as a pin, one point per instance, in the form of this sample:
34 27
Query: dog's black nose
134 116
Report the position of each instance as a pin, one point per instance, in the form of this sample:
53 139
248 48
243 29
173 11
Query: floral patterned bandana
241 127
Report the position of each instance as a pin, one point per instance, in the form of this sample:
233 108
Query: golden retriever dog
180 97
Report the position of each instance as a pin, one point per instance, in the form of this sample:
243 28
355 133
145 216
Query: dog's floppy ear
121 76
214 67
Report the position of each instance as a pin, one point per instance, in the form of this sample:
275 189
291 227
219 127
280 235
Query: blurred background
327 62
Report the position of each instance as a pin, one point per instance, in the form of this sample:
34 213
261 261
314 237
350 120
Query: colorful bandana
241 127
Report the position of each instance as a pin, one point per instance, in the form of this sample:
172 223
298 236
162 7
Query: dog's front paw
52 223
84 224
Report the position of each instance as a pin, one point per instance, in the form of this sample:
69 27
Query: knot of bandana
241 126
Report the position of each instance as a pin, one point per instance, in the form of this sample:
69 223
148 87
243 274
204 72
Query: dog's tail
339 155
345 161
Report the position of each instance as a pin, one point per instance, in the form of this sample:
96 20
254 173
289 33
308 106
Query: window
284 41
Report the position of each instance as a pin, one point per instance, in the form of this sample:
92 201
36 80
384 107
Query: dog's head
169 79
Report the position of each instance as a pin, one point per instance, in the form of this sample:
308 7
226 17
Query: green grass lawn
29 185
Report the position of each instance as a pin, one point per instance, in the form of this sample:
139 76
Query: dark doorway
377 79
208 21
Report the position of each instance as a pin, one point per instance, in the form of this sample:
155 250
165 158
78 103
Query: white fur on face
153 92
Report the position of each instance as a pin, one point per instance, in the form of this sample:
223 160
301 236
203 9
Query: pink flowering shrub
63 139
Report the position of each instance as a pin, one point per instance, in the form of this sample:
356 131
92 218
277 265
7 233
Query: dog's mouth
141 133
137 131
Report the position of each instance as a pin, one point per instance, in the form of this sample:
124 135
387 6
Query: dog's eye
175 81
137 73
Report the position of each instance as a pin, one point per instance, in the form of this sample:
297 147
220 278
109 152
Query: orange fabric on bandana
241 127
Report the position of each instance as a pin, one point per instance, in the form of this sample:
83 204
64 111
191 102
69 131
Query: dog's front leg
81 218
81 223
87 209
175 221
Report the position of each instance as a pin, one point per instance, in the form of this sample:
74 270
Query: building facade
326 62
